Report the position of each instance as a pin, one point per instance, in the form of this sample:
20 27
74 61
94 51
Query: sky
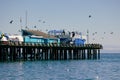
70 15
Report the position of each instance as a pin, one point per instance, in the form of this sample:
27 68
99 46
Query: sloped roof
36 33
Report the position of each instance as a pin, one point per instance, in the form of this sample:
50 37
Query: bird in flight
90 16
11 21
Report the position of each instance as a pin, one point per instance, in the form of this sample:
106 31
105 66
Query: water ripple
108 68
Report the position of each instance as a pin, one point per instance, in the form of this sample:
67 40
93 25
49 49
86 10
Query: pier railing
93 45
17 51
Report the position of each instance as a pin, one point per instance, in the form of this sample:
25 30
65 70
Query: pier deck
37 51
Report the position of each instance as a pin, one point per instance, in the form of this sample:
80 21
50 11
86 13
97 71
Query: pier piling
28 51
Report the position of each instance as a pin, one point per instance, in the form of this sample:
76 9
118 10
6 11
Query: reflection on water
107 68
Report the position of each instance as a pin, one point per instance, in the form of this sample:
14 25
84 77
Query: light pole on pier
87 36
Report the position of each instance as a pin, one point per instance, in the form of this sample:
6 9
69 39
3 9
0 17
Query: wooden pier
37 51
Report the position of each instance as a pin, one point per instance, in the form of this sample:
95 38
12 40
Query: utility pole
87 36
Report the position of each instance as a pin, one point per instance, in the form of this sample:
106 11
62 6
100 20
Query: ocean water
107 68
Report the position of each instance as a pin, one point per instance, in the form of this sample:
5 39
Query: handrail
99 46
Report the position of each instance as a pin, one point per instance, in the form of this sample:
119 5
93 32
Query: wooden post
65 54
79 54
70 54
11 53
46 54
98 53
24 53
74 54
95 53
61 54
5 53
57 53
51 53
0 53
88 54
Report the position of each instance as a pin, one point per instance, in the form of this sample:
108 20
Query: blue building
37 39
36 36
79 41
69 37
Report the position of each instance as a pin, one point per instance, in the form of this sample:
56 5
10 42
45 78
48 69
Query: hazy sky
66 14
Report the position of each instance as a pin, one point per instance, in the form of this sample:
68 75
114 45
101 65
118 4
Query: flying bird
11 21
90 16
111 33
43 21
39 20
95 32
34 26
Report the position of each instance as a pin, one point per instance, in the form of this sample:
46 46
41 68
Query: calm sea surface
107 68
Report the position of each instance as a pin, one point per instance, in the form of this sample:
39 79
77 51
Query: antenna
21 23
26 19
